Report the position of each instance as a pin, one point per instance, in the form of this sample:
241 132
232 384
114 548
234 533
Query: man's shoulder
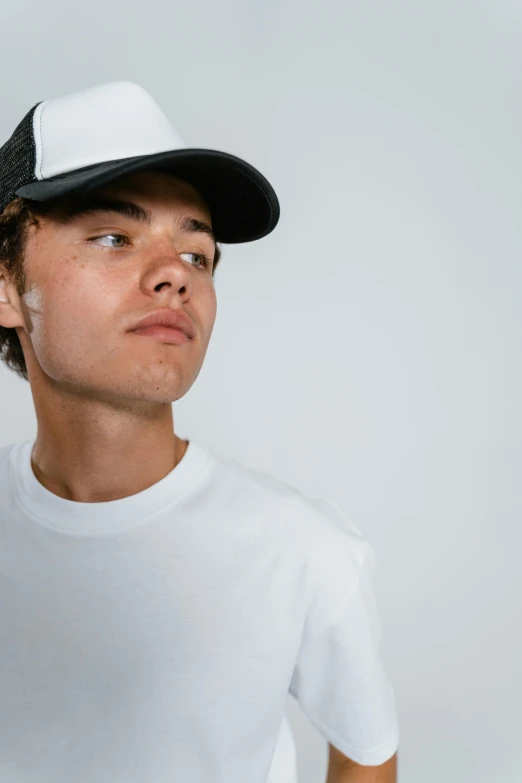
310 520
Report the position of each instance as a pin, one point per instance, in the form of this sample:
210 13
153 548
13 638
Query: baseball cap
79 142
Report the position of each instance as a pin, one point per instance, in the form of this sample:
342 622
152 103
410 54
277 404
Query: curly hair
16 219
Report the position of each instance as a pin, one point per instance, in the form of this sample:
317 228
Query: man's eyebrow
130 210
191 225
125 208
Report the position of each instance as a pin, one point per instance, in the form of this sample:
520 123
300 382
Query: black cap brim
242 203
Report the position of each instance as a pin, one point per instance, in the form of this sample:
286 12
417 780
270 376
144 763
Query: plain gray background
368 350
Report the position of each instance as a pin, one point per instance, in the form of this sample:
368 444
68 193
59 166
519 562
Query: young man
158 600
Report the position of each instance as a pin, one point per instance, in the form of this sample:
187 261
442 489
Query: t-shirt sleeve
339 679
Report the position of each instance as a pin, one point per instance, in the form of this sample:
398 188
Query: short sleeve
338 679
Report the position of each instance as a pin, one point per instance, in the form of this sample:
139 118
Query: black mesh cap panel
17 159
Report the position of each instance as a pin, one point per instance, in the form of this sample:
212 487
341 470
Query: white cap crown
107 122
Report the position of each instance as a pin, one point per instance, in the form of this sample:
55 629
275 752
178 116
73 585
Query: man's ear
9 314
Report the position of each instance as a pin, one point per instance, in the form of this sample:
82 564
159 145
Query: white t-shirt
156 637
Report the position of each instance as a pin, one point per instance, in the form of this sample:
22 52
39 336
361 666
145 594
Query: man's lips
170 321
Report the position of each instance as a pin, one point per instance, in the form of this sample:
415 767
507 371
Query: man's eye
110 236
203 263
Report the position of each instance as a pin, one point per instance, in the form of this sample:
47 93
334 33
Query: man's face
92 277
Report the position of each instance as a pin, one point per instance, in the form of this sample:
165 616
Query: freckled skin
79 303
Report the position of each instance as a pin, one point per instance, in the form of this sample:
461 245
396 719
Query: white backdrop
367 350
